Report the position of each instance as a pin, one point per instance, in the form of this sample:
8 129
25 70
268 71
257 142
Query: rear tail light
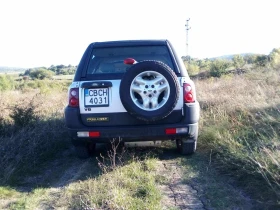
188 93
94 134
91 134
171 131
74 97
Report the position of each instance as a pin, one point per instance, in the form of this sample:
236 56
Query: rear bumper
130 133
135 133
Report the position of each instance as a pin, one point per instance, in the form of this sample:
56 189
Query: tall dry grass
240 128
28 145
32 130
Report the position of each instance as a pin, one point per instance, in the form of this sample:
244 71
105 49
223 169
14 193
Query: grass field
240 129
238 151
63 77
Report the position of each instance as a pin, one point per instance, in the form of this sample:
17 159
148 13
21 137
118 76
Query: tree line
215 67
218 67
48 73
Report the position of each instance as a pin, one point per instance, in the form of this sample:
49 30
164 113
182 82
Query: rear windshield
111 59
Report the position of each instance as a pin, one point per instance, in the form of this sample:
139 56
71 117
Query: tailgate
100 105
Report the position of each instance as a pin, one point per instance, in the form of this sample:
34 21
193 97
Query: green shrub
275 57
6 82
250 58
204 64
24 115
41 74
218 67
192 68
26 148
31 133
262 61
238 61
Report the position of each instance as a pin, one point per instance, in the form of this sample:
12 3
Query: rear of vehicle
132 90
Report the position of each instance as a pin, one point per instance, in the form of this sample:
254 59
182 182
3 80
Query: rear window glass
111 60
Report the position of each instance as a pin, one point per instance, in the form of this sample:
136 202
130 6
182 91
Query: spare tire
149 90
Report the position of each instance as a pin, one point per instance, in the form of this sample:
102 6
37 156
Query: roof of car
130 43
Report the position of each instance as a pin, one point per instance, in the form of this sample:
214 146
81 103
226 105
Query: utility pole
187 39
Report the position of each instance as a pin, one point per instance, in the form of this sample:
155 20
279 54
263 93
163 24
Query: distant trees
218 67
204 64
41 74
192 67
275 57
261 61
250 58
63 70
6 82
238 61
47 73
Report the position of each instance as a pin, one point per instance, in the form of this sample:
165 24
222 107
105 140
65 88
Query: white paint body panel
115 104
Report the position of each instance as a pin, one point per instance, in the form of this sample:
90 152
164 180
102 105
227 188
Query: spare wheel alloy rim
149 90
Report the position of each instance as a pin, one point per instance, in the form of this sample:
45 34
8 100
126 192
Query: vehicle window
110 60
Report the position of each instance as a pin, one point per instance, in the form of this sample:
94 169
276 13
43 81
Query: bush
24 115
41 74
6 83
238 61
31 133
262 61
275 57
218 67
250 58
28 147
204 64
192 68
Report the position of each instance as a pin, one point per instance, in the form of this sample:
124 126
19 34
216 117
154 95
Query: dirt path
178 191
177 194
66 168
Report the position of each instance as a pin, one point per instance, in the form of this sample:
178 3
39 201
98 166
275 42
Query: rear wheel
186 146
85 150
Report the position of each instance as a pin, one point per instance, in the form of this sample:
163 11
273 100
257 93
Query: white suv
134 91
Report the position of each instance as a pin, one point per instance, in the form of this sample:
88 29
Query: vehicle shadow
65 167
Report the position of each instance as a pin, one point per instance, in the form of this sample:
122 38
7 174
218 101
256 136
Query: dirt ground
177 192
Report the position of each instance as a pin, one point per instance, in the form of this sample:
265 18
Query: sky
36 33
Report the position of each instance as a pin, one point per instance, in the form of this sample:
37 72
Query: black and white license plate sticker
97 97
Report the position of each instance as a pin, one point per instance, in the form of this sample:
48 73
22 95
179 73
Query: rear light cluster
91 134
171 131
74 97
188 93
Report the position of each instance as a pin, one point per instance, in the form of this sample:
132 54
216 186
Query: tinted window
110 60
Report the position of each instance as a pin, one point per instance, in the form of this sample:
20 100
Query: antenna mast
187 38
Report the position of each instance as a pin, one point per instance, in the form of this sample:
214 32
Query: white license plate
97 97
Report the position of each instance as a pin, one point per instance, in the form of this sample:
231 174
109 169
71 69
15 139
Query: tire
186 147
149 90
84 151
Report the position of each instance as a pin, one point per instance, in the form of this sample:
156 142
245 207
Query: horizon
217 57
46 33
